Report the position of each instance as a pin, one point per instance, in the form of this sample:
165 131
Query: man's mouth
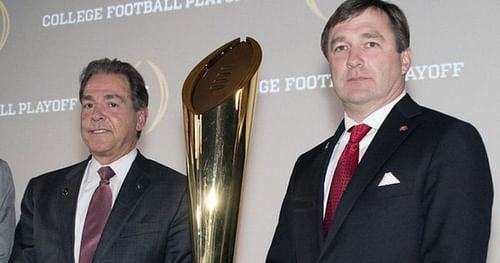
357 79
98 131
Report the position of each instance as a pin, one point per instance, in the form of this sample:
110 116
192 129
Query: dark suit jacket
439 212
149 221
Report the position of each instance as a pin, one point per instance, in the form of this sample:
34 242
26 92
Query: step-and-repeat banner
45 44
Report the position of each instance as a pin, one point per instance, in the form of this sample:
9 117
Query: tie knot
358 132
105 173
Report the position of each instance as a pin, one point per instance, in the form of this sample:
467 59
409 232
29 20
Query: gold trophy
219 98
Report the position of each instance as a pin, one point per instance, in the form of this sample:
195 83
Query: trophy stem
219 98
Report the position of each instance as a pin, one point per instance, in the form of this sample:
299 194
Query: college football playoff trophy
219 98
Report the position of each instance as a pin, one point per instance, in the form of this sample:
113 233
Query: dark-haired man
116 206
397 182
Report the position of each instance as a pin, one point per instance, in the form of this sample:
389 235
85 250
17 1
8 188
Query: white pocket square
388 179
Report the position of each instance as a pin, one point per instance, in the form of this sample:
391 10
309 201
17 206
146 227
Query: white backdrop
45 44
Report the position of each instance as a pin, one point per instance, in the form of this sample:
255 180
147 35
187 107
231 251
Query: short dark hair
138 91
352 8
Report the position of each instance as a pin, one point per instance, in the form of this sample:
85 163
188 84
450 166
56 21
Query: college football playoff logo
4 32
158 95
318 9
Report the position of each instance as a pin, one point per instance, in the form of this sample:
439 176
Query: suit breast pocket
140 229
303 205
390 191
379 190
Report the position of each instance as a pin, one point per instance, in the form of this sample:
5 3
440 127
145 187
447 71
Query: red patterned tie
346 166
97 215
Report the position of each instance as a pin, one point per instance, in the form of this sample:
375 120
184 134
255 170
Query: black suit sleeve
179 238
458 199
23 250
282 246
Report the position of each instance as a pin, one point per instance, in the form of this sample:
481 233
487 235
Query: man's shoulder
434 127
431 118
157 170
6 183
437 116
3 164
4 170
440 121
318 149
58 173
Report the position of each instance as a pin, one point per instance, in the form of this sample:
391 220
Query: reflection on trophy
219 98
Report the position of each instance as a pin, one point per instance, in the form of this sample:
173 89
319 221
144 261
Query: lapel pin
65 192
403 128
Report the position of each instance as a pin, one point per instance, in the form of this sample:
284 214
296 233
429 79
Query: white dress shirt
88 186
373 120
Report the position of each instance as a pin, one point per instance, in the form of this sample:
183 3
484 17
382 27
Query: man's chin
98 148
356 99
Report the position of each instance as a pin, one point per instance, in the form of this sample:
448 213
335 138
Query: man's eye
88 106
371 44
340 48
112 105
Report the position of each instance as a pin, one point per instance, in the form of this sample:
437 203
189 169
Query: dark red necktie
97 215
346 166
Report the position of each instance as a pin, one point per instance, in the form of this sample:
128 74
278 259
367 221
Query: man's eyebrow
368 35
106 97
372 35
336 40
87 97
114 96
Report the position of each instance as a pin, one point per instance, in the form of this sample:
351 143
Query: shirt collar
120 167
375 119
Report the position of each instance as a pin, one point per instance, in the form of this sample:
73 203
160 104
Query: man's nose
97 113
354 59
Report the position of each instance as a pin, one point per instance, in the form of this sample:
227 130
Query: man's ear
406 56
142 116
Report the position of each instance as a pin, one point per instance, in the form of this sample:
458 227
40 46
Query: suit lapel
67 201
384 144
131 192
